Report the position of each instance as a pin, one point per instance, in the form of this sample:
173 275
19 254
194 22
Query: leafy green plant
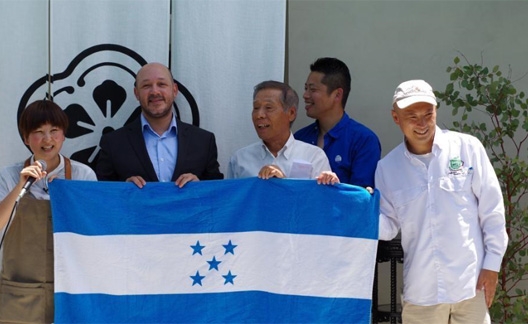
476 92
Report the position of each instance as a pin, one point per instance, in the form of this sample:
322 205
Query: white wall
387 42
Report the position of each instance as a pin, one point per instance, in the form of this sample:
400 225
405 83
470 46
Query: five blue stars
213 263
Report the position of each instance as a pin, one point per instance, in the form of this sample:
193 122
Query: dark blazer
124 154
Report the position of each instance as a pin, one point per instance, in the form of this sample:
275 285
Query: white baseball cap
413 91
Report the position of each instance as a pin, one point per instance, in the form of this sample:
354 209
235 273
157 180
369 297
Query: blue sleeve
366 156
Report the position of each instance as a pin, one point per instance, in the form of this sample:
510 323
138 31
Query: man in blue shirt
352 149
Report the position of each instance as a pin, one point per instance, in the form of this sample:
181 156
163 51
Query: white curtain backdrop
23 59
96 47
220 51
217 50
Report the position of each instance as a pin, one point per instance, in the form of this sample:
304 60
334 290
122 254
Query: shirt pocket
456 183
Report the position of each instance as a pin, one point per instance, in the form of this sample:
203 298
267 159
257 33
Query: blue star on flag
229 278
197 248
213 264
197 279
229 248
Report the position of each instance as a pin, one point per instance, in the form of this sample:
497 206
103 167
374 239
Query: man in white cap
440 190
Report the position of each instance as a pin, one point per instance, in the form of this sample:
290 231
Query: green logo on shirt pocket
455 164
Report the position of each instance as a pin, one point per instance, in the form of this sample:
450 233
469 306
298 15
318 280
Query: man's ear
339 94
136 93
292 113
395 117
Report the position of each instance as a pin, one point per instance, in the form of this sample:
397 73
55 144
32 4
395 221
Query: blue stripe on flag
241 307
282 205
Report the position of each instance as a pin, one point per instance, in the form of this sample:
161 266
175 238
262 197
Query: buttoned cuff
492 262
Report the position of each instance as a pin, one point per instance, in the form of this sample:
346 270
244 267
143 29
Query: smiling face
155 89
46 142
43 125
418 124
270 119
318 102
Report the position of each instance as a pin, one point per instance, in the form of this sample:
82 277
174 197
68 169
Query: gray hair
289 97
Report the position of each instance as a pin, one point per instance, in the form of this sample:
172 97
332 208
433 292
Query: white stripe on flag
291 264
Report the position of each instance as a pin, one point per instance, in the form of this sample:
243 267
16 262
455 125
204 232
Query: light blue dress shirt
162 149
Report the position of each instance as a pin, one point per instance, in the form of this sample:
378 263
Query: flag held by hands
246 250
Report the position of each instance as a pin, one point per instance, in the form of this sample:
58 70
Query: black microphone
30 180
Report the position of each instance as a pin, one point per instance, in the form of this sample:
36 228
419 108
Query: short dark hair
39 113
289 97
336 75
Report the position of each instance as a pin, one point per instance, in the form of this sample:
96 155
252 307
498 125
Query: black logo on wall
96 92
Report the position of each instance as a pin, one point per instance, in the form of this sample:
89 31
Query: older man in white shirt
278 154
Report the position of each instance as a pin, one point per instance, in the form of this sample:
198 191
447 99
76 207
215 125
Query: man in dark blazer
156 146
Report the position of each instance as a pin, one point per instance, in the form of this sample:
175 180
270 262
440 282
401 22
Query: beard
157 111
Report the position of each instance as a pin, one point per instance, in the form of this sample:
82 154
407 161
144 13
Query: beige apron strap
67 168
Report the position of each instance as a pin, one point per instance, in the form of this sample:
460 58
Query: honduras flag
224 251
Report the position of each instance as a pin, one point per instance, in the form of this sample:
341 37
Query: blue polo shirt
352 149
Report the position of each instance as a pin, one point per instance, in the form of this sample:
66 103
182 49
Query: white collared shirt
451 217
296 160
